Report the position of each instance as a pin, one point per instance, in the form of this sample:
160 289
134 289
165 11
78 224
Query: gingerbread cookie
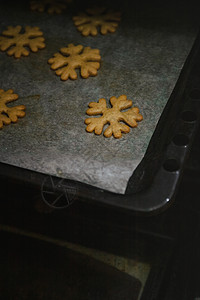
9 114
51 6
89 22
112 116
87 59
16 42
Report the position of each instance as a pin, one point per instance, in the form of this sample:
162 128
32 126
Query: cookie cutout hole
195 94
181 140
171 165
188 116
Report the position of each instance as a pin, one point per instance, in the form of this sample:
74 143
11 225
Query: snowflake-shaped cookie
87 59
15 42
113 116
88 23
51 6
9 114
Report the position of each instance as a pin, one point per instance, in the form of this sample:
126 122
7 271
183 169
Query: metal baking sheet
143 60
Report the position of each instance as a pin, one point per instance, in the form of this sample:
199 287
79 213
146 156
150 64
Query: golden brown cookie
51 6
112 116
89 22
9 114
86 59
16 42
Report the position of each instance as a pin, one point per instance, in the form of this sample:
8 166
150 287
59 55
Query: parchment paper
142 59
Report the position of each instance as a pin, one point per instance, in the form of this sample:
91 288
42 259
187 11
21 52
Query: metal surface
140 61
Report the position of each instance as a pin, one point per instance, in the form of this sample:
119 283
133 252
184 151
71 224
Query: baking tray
155 180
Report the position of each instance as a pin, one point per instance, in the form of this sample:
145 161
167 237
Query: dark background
168 241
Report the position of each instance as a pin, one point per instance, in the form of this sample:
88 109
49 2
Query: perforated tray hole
188 116
181 140
171 165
